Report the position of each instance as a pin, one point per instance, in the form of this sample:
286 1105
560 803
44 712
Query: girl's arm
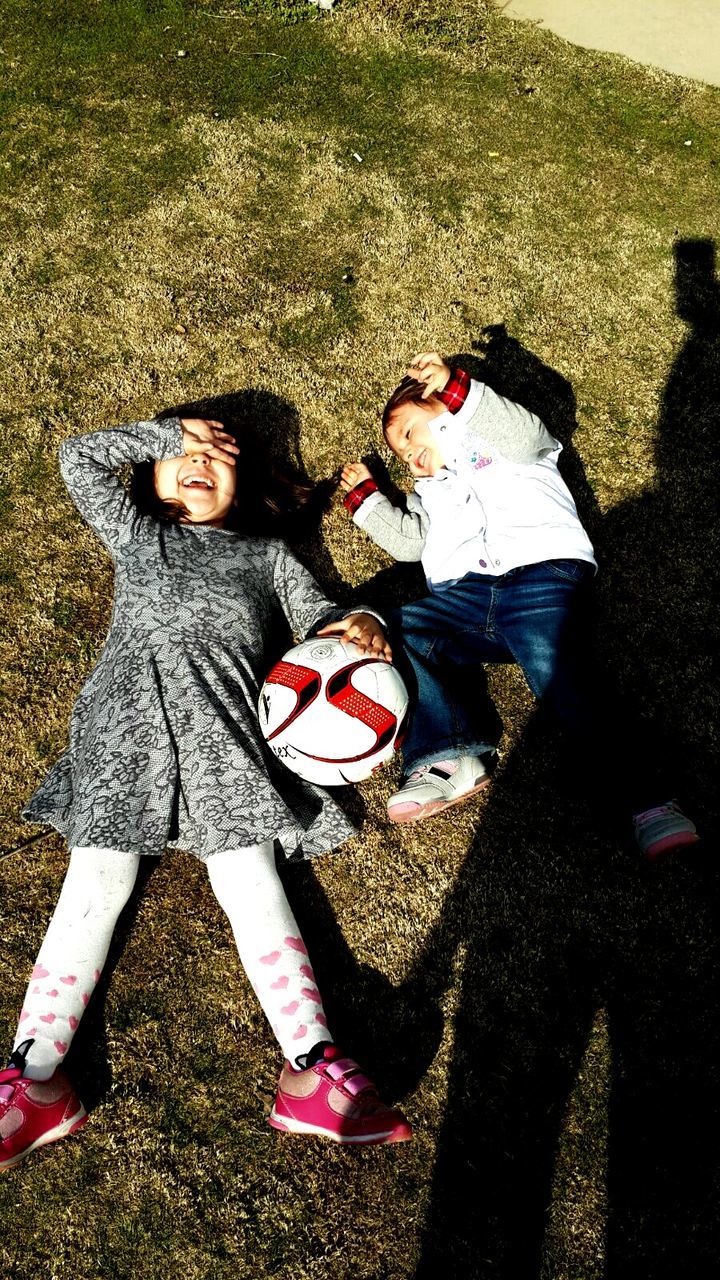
89 466
308 610
401 533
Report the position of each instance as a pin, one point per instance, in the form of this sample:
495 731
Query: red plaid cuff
456 391
357 496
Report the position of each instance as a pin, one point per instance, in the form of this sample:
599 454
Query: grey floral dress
165 747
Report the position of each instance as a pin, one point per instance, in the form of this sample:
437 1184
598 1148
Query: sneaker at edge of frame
35 1112
664 829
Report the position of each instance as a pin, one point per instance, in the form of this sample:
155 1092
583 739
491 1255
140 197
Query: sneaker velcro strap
341 1067
8 1079
358 1083
348 1075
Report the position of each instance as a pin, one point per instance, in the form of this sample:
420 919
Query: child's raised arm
511 429
429 368
89 466
353 474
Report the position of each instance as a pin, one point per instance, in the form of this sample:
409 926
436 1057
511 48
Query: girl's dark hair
271 498
409 391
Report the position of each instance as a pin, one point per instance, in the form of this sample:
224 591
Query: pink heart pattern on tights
290 1009
296 944
301 1032
280 984
61 1047
271 958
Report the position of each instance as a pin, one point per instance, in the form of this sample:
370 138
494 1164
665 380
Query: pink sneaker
34 1112
335 1100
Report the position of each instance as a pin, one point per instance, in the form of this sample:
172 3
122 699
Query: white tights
96 888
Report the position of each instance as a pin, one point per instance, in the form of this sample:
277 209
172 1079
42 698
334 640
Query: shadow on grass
555 922
664 549
551 920
551 925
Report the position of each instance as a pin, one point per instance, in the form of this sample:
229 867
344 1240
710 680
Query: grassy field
200 198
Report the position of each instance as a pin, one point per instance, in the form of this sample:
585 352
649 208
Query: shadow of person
663 553
549 920
530 978
661 549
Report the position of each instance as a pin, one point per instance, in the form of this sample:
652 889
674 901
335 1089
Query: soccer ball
332 713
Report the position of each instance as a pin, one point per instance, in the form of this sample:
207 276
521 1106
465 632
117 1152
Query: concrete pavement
682 36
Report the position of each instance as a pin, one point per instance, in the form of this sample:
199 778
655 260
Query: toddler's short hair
409 391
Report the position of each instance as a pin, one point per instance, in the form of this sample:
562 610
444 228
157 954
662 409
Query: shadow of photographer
550 921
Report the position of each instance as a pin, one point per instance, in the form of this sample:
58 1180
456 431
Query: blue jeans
530 615
536 616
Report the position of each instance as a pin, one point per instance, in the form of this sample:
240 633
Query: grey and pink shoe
664 829
35 1112
334 1099
433 787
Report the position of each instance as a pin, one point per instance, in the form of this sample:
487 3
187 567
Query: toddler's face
204 486
411 440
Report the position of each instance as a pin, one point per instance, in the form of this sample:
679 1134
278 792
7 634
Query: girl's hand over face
202 435
430 368
352 474
365 631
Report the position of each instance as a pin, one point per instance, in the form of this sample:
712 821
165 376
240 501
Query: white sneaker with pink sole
434 787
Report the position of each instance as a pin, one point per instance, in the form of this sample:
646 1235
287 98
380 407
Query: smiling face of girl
203 486
408 433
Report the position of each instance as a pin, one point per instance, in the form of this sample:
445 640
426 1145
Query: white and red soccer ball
331 713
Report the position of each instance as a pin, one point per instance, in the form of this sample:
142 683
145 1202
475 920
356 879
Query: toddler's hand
202 435
352 474
430 368
364 630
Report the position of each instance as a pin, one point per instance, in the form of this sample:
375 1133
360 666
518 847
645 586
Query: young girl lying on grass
165 749
506 560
